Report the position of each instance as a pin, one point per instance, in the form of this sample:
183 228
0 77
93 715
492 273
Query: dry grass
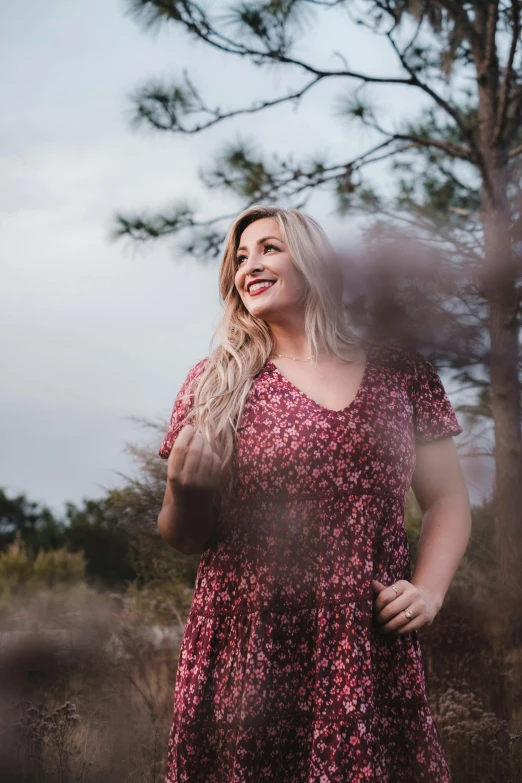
86 692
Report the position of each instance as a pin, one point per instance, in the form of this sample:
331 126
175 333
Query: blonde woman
291 449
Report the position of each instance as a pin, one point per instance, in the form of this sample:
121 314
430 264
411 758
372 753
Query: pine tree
457 164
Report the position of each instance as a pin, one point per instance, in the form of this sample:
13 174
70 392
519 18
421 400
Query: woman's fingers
192 463
193 458
178 452
209 473
391 607
399 618
202 475
412 625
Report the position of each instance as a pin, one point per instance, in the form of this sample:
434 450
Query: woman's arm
190 509
188 526
440 489
441 492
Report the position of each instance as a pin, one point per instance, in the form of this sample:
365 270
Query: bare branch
391 154
508 74
455 150
447 107
514 152
452 148
464 212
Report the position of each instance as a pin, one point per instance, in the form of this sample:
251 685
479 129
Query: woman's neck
298 349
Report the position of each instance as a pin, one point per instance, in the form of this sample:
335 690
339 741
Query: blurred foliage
94 529
112 542
91 529
37 525
16 567
19 569
59 567
164 578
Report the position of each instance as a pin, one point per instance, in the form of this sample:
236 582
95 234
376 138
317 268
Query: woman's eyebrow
260 242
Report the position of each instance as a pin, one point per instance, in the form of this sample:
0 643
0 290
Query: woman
291 449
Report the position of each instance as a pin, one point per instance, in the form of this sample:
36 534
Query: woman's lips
261 290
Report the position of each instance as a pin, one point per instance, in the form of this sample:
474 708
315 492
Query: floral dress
283 673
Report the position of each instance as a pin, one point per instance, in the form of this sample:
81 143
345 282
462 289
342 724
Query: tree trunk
502 297
500 277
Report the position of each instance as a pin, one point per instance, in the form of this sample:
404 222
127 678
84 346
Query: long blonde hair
245 342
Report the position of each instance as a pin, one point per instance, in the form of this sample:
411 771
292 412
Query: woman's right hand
193 468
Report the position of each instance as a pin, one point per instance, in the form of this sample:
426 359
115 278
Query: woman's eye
240 259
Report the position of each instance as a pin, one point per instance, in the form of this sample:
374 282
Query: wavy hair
245 342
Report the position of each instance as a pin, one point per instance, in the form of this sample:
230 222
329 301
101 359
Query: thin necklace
283 356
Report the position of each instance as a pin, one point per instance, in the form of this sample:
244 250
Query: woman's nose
254 262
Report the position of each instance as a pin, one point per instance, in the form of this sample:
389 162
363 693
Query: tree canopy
455 160
444 51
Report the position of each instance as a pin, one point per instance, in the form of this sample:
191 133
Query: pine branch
194 19
153 105
183 110
141 228
454 150
447 172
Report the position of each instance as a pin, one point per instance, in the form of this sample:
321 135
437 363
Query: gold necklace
282 356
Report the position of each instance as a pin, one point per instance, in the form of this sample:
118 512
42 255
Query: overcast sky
94 332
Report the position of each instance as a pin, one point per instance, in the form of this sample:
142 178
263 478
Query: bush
16 565
19 569
59 567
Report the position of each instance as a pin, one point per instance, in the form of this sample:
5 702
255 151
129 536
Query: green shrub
19 569
16 565
59 567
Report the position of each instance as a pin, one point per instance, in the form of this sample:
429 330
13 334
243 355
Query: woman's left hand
390 606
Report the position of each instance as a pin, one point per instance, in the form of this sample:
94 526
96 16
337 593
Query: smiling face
263 257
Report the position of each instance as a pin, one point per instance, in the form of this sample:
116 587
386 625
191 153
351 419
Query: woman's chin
260 311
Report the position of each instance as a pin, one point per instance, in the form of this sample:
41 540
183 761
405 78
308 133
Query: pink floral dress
284 675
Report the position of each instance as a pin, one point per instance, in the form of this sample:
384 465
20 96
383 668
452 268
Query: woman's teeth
259 286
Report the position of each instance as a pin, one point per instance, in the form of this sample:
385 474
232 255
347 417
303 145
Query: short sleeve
433 414
182 406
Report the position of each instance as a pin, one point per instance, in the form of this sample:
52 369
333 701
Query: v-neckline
327 411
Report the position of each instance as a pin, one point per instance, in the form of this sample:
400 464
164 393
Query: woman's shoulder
201 365
196 369
192 375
